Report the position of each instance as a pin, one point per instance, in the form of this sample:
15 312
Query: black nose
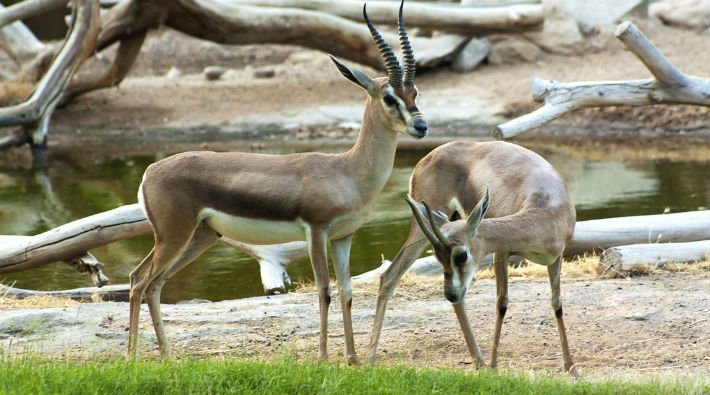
451 296
420 125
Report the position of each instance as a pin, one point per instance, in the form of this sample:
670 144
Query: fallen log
234 23
598 234
669 86
623 260
73 239
472 21
84 262
116 293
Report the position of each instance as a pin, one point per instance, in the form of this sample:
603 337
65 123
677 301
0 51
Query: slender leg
340 251
152 267
501 268
413 247
317 250
139 281
203 239
553 272
468 334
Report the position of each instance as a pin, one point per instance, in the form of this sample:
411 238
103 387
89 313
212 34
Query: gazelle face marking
454 244
459 267
405 111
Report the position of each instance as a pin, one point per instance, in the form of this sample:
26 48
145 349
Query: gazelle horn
394 72
407 53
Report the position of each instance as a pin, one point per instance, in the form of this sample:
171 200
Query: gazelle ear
358 77
439 218
477 215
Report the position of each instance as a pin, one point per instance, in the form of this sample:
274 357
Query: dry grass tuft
586 267
35 302
581 266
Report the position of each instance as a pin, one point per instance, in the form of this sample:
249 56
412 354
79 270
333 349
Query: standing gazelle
527 213
192 199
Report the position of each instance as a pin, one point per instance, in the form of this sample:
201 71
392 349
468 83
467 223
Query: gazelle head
454 242
395 96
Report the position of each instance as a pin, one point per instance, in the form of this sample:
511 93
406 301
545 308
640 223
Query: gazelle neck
372 156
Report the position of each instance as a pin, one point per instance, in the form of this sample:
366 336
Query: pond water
32 202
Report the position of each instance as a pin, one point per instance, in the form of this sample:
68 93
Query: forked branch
669 86
35 112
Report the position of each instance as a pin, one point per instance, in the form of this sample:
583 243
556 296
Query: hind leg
168 246
553 272
139 280
203 238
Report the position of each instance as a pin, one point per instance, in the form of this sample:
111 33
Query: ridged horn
407 54
394 72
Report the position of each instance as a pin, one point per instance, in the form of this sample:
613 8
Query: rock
212 73
685 13
600 12
471 55
266 72
510 50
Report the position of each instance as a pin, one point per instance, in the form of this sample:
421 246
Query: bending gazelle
194 198
528 213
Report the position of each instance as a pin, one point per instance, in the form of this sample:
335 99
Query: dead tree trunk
115 293
470 21
601 234
34 114
670 86
623 260
70 242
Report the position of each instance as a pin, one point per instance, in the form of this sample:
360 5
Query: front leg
413 247
340 251
468 335
501 268
317 250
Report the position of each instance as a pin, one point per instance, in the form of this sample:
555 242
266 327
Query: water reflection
32 202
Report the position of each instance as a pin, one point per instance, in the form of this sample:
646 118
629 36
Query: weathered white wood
28 9
670 86
663 228
436 16
68 243
273 260
16 38
36 111
116 293
75 238
621 260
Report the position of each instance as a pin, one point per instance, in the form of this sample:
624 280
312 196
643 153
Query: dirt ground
651 323
656 323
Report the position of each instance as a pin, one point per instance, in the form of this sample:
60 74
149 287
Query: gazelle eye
460 257
389 100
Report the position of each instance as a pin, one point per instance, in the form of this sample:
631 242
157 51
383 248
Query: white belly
347 224
253 231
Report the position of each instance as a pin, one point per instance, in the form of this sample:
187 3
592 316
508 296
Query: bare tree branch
80 43
670 86
18 41
125 57
28 9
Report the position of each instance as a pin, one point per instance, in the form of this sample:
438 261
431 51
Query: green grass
42 375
